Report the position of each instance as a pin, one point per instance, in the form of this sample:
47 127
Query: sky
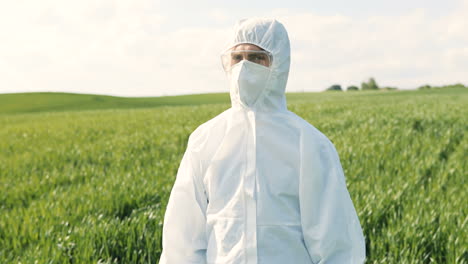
153 48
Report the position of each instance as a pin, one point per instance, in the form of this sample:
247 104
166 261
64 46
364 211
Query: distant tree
364 86
352 88
388 88
335 87
369 85
424 87
457 85
373 84
449 86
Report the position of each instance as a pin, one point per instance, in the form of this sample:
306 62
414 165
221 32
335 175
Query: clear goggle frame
232 57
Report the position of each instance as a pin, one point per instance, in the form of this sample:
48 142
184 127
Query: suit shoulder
307 129
200 135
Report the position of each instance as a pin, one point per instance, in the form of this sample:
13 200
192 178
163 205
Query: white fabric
258 184
249 79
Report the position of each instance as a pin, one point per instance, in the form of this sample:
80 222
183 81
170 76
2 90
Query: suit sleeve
183 238
330 225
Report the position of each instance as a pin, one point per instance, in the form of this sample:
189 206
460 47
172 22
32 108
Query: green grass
54 102
61 102
91 186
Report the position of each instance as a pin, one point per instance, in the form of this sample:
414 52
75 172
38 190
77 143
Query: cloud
133 48
405 51
119 48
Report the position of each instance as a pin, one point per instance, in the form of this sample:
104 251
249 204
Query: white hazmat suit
257 183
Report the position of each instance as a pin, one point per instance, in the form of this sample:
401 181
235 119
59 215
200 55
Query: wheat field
90 184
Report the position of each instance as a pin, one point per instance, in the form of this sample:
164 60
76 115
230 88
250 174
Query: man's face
251 53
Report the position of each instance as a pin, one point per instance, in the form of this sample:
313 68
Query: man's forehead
246 46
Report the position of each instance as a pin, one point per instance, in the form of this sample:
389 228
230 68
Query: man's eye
256 58
236 57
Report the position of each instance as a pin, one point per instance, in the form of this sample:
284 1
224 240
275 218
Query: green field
86 178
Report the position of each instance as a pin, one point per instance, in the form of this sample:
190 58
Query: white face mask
248 79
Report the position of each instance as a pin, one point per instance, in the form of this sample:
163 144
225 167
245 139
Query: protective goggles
232 57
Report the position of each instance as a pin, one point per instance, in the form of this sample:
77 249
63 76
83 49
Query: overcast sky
152 48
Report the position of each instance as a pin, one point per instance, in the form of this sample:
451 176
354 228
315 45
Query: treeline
371 84
427 86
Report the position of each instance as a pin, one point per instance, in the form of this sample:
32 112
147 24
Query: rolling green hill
52 102
58 102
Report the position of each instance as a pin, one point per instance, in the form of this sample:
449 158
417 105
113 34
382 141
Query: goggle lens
231 58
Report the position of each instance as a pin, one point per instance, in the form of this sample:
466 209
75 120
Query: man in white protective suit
257 183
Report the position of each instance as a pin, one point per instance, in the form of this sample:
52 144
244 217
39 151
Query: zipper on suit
249 192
